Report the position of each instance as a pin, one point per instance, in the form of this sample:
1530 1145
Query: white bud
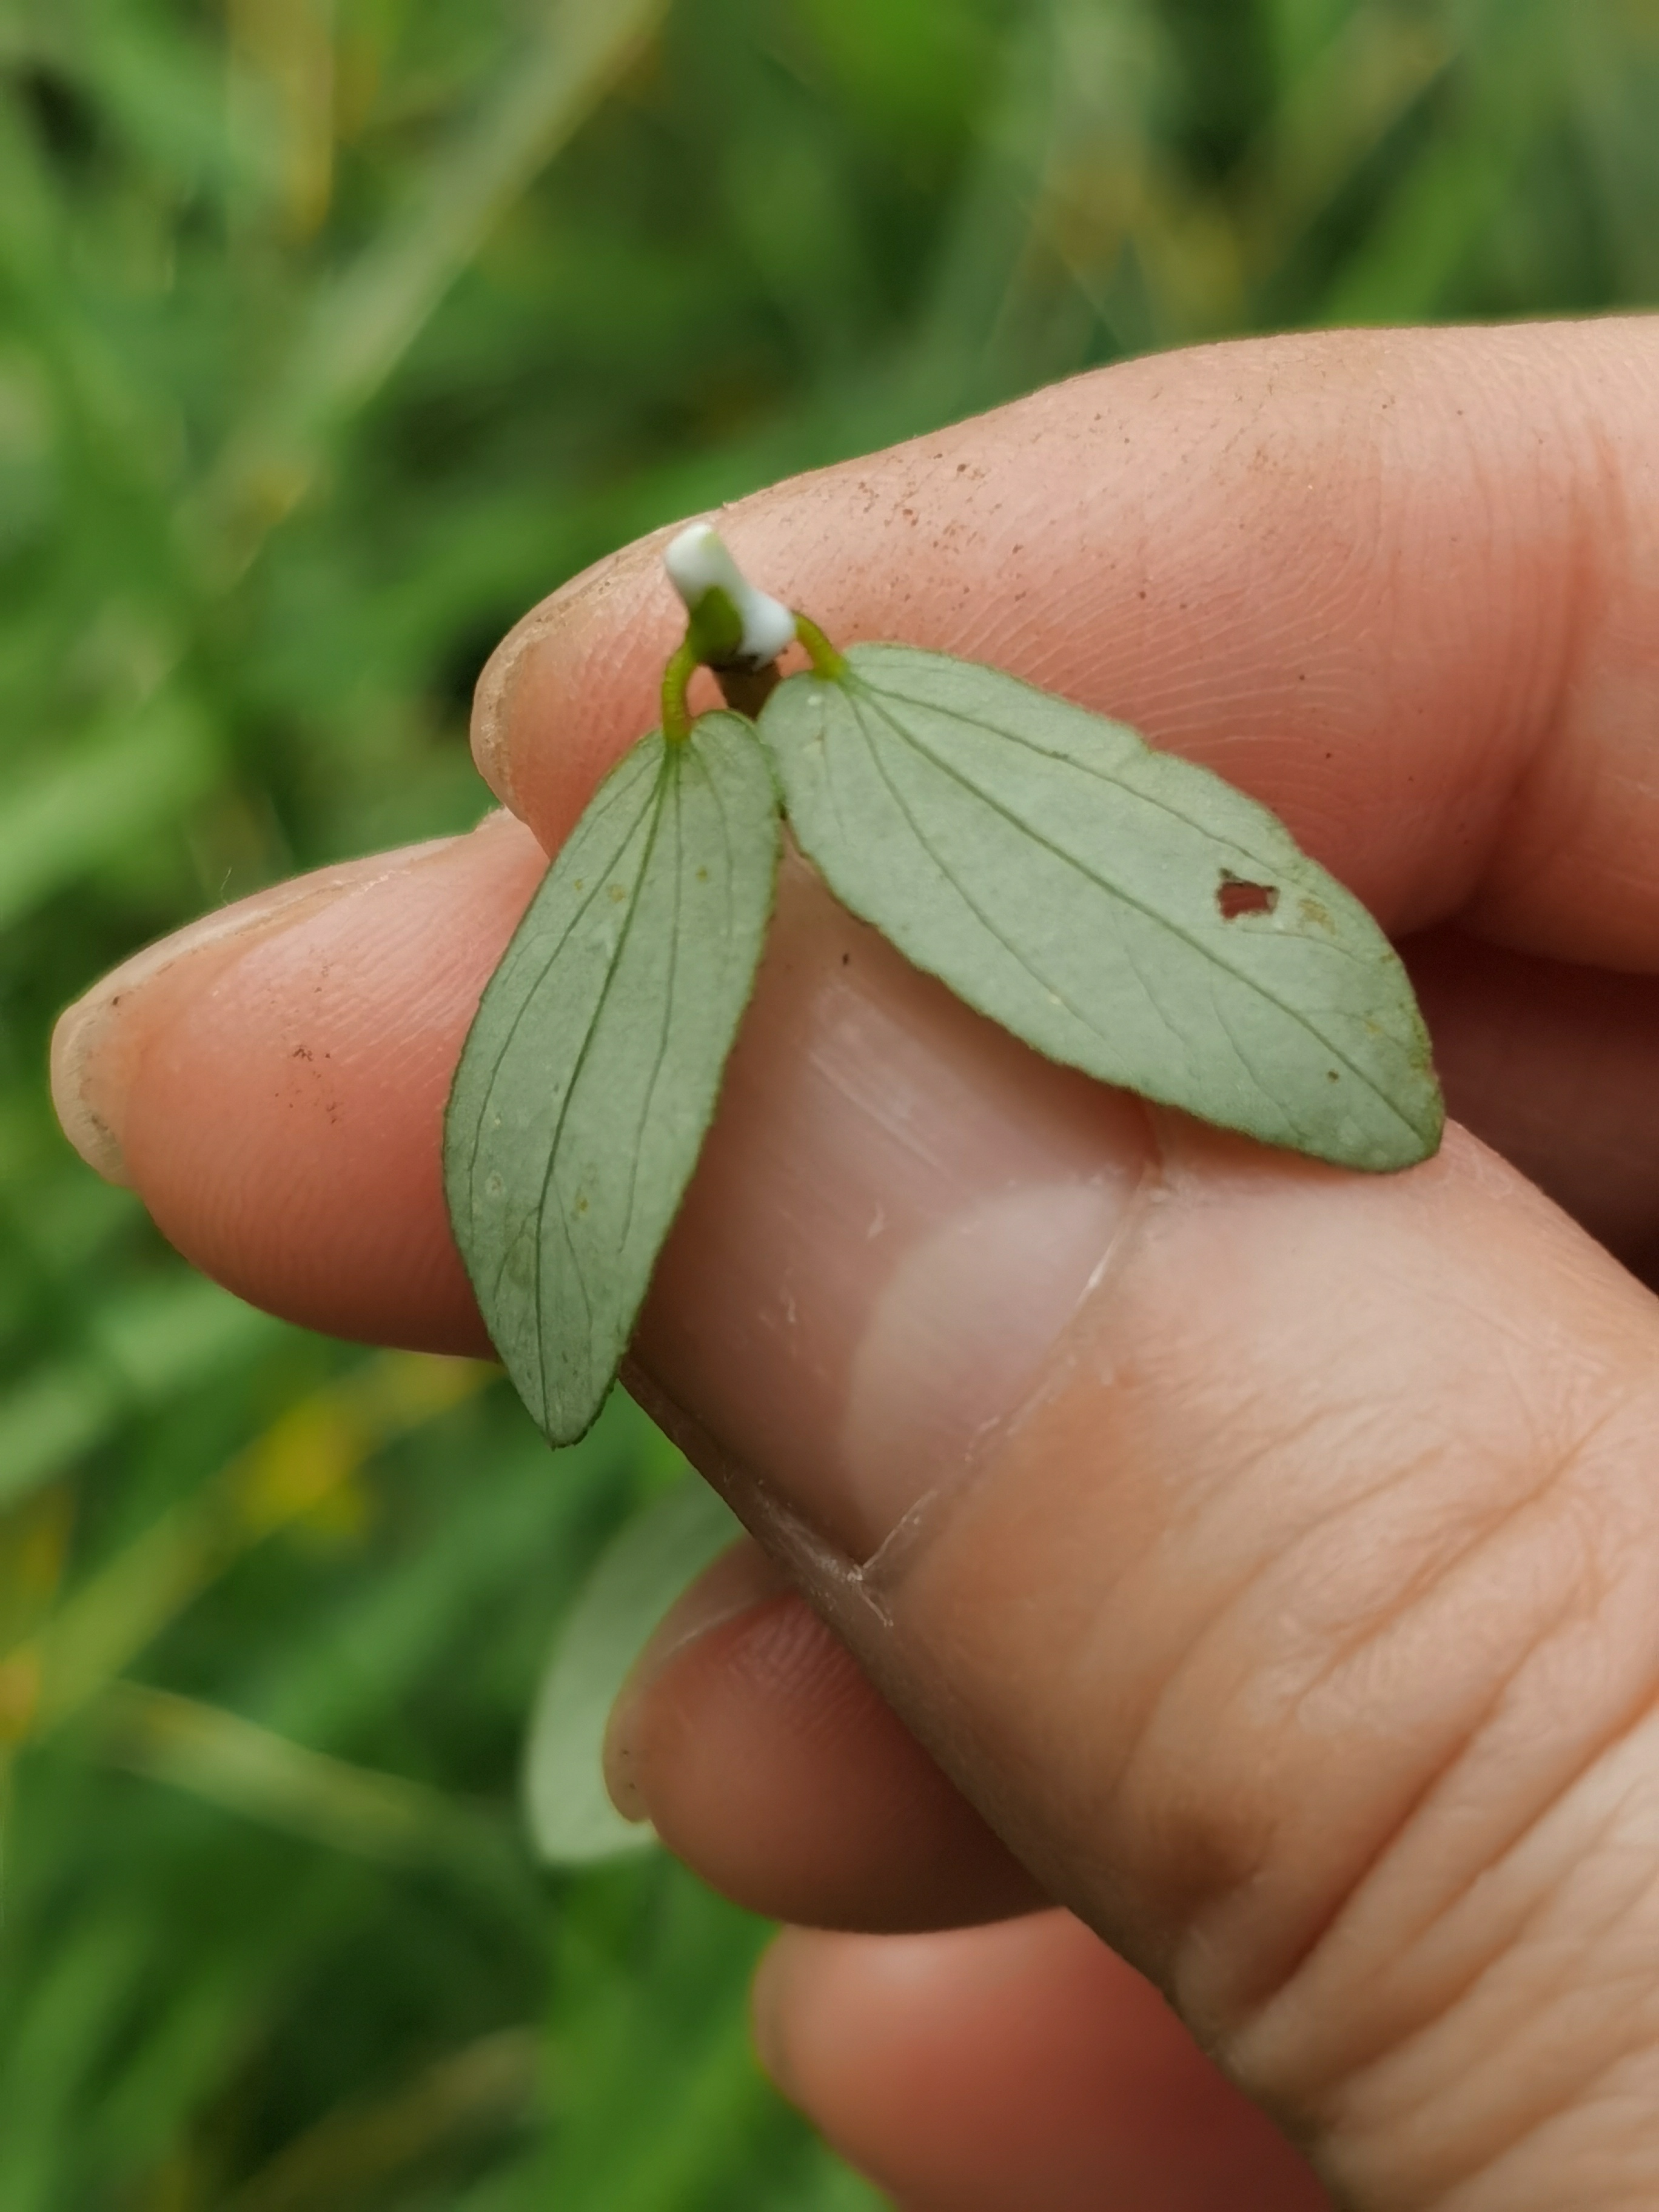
698 562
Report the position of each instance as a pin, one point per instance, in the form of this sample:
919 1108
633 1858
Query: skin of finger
1403 586
1020 2064
1557 1066
97 1045
283 1093
1334 1500
766 1762
728 1787
1334 1716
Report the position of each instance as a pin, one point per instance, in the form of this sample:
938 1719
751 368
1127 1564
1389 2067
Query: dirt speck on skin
1233 896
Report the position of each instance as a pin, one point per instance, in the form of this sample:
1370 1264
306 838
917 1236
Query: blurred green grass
332 333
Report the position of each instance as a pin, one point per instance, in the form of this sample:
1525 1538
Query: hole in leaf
1234 896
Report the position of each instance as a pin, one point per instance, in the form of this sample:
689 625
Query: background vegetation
332 333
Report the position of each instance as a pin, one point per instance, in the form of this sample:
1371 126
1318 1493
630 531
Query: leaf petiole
683 665
826 662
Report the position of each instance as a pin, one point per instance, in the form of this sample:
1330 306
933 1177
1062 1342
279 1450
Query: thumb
1261 1549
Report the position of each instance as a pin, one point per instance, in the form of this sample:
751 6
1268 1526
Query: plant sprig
1121 909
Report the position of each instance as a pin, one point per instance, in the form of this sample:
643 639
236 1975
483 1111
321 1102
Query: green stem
675 681
826 661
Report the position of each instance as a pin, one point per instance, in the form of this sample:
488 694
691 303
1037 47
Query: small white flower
698 562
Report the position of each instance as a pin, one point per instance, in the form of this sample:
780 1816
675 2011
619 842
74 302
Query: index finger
1401 585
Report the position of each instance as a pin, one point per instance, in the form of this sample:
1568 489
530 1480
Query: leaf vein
1204 952
531 988
992 929
579 1062
666 1026
1098 774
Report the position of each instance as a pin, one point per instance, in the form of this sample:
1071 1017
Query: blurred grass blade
348 2159
148 1348
698 2129
32 1559
1466 180
307 1455
68 2013
1454 194
175 1334
364 323
572 1821
87 803
233 1762
283 91
1331 121
48 1421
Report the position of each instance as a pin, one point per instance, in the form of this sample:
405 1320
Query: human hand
1266 1555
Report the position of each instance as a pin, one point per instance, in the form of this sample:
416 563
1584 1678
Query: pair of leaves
1119 908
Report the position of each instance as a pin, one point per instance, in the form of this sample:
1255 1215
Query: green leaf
659 1553
591 1070
1119 908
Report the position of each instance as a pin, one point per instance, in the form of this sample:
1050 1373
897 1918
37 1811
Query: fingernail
740 1581
898 1211
492 709
92 1067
